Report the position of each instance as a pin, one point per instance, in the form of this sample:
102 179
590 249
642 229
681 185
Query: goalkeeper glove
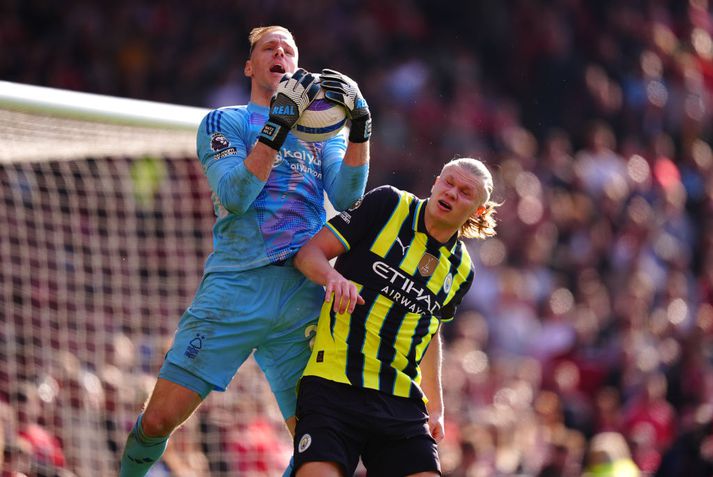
343 90
294 93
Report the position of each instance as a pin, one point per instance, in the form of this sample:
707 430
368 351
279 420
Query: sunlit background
586 340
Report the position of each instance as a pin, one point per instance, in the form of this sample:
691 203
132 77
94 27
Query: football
321 120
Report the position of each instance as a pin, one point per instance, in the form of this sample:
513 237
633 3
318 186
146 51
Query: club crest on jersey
305 442
427 265
448 283
356 204
218 141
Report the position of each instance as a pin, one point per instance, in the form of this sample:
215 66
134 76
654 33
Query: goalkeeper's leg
169 406
140 452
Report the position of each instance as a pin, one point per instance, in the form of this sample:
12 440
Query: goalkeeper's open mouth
277 69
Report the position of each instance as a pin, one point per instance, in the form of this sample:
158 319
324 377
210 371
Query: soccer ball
321 120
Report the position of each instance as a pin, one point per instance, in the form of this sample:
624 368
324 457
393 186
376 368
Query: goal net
105 224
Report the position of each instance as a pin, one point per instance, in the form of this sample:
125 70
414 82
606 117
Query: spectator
608 455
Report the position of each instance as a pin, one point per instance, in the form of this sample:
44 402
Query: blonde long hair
481 225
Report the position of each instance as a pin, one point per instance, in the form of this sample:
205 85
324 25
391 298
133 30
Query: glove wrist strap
360 130
273 134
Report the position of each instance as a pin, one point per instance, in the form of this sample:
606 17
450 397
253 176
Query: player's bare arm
432 387
313 261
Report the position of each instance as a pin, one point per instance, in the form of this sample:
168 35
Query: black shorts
339 423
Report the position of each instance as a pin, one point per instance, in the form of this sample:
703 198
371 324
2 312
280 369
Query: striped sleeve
461 284
222 149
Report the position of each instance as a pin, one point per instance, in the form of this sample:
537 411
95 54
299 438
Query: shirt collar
419 225
256 108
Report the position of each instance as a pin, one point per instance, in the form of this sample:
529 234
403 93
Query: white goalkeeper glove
294 94
343 90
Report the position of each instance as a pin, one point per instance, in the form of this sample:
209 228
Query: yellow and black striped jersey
410 282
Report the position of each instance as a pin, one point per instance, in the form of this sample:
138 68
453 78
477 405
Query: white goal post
39 123
105 224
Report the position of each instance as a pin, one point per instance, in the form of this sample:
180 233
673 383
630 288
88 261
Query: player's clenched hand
436 426
343 90
294 94
342 293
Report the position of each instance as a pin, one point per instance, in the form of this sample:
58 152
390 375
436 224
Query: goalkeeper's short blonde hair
258 32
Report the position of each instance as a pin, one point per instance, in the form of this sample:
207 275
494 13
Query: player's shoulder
237 111
217 118
387 192
384 198
390 195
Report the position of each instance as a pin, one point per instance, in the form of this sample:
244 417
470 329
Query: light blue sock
141 452
288 470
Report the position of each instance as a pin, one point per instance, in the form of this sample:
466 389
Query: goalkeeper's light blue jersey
258 223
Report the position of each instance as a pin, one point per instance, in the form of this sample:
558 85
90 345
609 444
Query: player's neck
260 100
437 230
260 96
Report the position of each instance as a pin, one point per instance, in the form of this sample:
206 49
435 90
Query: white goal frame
106 222
38 123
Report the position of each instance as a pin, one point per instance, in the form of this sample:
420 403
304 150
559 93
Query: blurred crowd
586 344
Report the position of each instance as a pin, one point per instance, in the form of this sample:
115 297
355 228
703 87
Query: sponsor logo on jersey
403 290
218 141
303 162
345 216
404 248
427 265
226 153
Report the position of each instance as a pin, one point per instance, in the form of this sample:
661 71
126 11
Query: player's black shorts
338 423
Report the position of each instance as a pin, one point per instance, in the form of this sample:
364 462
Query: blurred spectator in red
46 449
649 420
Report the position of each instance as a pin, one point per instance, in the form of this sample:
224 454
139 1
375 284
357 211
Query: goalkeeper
402 271
268 194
